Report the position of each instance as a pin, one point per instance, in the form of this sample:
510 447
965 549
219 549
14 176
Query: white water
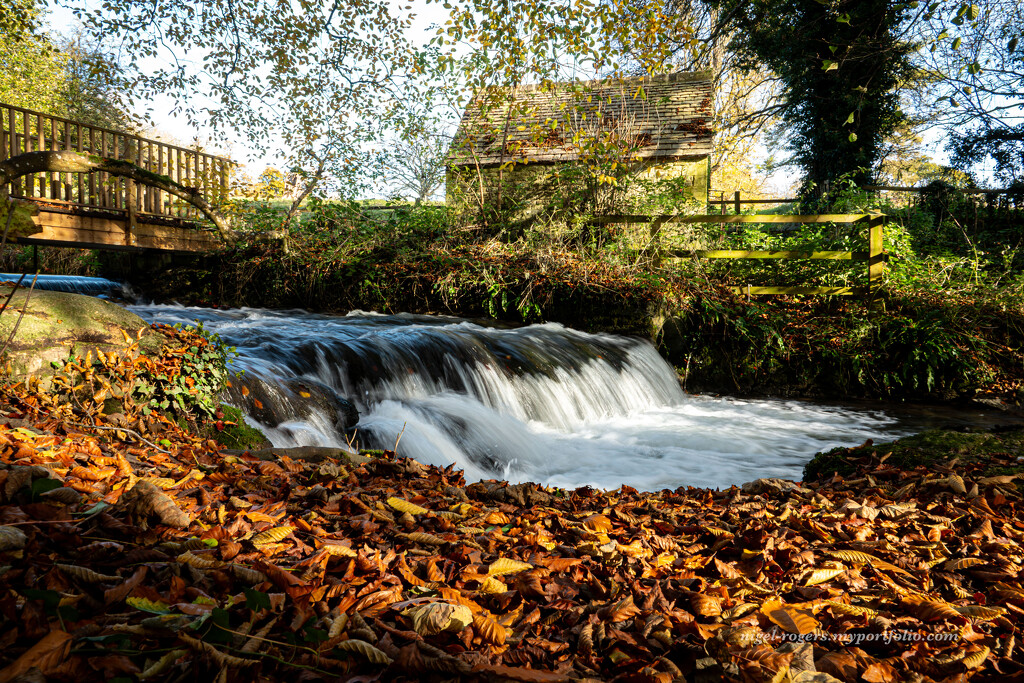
540 403
96 286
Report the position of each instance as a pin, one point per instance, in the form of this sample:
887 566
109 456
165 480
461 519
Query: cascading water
95 286
540 403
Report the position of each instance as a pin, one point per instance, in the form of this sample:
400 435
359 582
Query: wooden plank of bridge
131 225
71 230
66 178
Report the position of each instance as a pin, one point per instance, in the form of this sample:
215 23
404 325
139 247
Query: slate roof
665 117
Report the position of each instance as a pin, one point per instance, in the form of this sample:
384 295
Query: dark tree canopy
841 63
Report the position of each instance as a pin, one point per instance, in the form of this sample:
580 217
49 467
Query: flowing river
541 403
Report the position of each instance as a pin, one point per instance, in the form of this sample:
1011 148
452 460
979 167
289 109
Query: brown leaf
705 605
932 610
119 593
523 675
489 630
46 655
727 570
839 664
598 523
793 621
621 611
880 672
145 500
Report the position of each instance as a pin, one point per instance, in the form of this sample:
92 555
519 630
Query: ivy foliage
842 62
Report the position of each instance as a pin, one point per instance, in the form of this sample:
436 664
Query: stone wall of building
531 192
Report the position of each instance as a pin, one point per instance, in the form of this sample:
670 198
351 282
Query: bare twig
24 308
119 429
399 438
11 295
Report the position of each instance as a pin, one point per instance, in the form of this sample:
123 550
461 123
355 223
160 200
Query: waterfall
541 403
78 284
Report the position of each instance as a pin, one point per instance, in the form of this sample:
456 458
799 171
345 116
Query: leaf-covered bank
123 558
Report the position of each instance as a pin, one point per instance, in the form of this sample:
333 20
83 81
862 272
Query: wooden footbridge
118 192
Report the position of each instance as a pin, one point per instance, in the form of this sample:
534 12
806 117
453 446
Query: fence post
655 239
876 257
736 200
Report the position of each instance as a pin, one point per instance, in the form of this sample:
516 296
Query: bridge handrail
24 130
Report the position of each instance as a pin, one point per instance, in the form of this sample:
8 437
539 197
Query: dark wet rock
271 403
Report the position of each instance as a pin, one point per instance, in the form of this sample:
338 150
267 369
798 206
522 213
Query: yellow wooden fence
874 256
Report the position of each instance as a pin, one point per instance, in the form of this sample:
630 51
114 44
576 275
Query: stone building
599 147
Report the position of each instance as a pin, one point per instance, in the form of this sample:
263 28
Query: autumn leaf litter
125 558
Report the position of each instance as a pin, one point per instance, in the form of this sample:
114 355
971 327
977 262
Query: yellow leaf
338 550
503 566
492 585
853 556
271 535
822 576
405 506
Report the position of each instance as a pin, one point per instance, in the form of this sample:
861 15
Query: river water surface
540 403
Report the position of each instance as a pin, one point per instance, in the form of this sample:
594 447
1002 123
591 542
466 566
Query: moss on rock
931 447
239 436
57 324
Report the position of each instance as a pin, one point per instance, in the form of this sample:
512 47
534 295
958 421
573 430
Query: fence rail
737 201
24 130
874 257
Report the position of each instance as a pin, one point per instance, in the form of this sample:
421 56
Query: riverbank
915 346
156 555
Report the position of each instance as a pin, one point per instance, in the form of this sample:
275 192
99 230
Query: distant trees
65 76
413 165
31 70
977 66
